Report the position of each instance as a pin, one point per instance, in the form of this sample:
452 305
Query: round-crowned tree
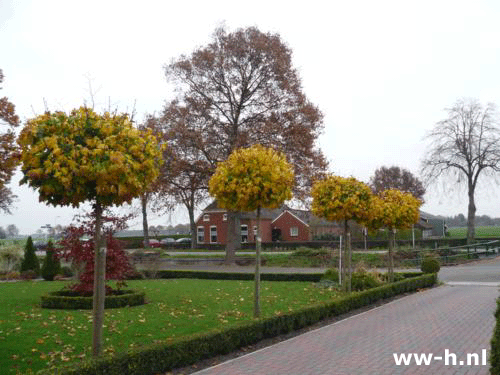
394 209
250 179
84 156
342 199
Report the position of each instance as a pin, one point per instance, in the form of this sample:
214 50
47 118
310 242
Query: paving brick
458 318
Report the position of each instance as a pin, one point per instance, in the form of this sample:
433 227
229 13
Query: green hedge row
61 300
160 358
180 274
495 344
309 277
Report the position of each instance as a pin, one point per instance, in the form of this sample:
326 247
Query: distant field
485 232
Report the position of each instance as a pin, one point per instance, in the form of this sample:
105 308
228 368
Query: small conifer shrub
30 261
51 265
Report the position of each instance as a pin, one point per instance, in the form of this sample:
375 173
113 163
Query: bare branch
465 146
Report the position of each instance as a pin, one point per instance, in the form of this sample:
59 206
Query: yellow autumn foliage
395 209
252 177
338 198
72 158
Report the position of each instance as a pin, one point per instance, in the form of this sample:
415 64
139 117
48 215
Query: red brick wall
216 218
265 228
287 221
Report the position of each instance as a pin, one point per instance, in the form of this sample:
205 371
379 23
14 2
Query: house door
276 234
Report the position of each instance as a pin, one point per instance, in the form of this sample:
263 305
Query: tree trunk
99 282
258 242
348 254
145 228
233 236
392 240
344 265
471 217
192 225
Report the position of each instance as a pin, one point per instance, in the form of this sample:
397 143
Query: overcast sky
381 72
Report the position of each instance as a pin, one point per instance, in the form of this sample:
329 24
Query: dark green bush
30 260
331 274
430 265
66 271
362 280
70 300
162 357
51 264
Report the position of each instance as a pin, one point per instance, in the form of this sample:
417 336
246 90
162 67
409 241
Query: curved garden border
64 300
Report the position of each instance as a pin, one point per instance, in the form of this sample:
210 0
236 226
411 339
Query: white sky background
380 71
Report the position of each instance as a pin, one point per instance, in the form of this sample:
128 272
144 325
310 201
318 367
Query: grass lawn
481 232
34 338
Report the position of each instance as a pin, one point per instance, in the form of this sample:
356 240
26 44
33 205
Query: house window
201 234
206 217
244 233
213 234
224 217
294 231
255 230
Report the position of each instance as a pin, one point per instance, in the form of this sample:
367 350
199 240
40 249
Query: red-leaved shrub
78 246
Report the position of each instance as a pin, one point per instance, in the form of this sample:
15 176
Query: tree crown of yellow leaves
338 198
251 178
395 209
86 156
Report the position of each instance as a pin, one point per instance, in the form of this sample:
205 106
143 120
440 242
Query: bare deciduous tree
464 147
186 170
394 177
12 230
241 89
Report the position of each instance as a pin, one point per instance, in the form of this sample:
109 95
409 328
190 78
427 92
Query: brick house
281 224
290 228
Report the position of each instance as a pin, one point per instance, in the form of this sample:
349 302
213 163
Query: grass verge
32 338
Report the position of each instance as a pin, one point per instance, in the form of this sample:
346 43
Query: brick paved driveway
457 318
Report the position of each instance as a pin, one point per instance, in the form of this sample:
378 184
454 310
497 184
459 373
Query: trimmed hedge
65 300
211 275
495 344
160 358
207 275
